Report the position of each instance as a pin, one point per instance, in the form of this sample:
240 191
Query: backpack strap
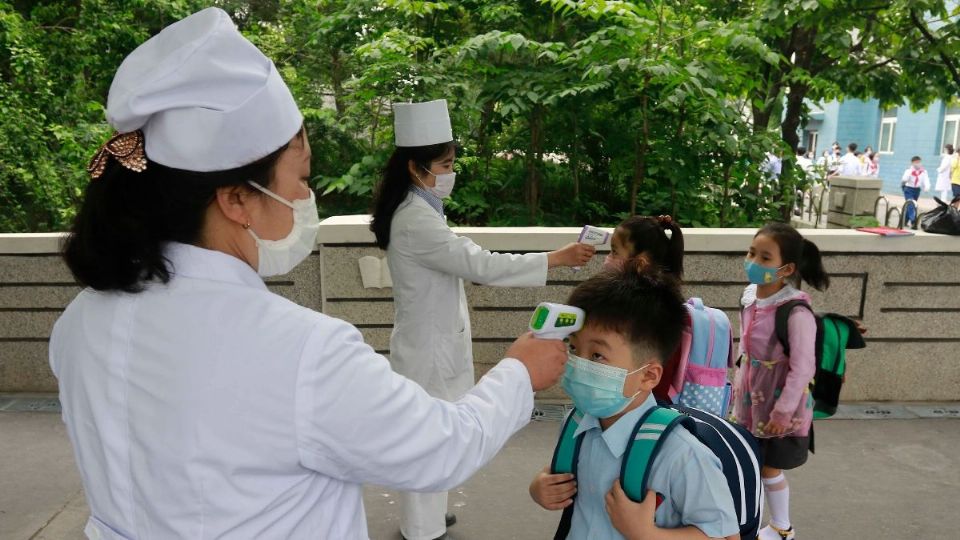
645 441
567 452
783 317
565 458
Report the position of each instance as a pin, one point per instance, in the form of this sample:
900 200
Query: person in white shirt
850 163
943 173
431 340
914 181
199 403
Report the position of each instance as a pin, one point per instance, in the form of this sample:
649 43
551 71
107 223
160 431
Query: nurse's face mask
278 257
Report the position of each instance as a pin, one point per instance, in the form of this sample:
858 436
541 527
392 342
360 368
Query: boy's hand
634 521
553 491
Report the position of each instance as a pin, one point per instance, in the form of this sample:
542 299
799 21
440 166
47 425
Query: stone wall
906 291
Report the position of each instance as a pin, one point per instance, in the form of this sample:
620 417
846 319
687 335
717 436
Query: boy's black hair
639 302
915 158
852 147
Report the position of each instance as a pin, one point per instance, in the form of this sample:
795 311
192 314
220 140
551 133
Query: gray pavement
870 479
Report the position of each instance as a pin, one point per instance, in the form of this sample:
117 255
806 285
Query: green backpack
835 334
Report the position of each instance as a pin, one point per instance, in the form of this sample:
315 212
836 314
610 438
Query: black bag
944 219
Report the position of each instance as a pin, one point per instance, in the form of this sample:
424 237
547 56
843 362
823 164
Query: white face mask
278 257
444 186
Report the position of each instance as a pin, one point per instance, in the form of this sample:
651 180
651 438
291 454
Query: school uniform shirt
768 384
915 178
431 341
210 407
685 472
849 165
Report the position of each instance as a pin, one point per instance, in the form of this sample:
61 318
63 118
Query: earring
246 225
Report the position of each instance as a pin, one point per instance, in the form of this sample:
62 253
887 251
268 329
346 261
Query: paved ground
870 479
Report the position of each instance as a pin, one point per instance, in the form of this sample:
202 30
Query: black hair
641 303
648 235
803 253
915 158
852 147
118 238
801 150
949 148
395 183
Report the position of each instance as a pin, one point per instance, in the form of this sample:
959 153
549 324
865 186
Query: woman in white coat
943 173
199 404
431 340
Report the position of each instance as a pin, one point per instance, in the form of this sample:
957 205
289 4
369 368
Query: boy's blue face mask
596 389
760 275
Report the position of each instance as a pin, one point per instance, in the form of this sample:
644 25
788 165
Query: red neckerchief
916 173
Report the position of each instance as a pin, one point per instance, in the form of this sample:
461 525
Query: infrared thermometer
556 321
593 236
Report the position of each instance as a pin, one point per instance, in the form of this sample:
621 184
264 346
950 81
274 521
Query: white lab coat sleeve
435 246
358 421
945 163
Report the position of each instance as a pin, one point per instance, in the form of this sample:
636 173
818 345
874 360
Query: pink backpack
706 353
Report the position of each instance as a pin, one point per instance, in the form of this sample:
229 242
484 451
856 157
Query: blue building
896 133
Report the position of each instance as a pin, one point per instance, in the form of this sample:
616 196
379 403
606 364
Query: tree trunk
534 154
336 76
640 158
575 159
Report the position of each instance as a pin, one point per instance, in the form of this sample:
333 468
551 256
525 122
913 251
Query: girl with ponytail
771 391
646 238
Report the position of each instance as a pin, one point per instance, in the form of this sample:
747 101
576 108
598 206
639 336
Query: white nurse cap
421 124
205 97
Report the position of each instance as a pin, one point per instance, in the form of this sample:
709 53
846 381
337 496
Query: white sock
778 500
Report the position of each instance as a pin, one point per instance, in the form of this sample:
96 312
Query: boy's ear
650 377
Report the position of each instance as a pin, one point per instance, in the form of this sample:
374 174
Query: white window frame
955 141
814 139
892 122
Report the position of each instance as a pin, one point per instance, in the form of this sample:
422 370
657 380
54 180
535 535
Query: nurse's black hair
639 302
395 184
647 235
127 218
803 253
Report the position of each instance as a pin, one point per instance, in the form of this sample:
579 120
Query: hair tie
126 148
665 221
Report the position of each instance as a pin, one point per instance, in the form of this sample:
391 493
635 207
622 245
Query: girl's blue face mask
597 389
760 275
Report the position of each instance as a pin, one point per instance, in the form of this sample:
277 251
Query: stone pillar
851 196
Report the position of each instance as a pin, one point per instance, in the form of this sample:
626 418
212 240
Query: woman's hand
553 491
574 254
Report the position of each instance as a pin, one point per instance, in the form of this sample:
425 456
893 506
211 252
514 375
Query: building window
950 124
888 128
812 138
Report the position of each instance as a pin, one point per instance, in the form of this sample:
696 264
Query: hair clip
126 148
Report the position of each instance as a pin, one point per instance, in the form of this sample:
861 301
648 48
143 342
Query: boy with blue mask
634 322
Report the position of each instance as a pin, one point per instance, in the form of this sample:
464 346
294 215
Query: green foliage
567 112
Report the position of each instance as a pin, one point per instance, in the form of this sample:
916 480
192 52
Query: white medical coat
212 408
431 341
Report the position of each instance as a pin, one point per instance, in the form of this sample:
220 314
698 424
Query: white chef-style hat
205 98
421 124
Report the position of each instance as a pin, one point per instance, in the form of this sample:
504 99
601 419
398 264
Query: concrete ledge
905 290
355 230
